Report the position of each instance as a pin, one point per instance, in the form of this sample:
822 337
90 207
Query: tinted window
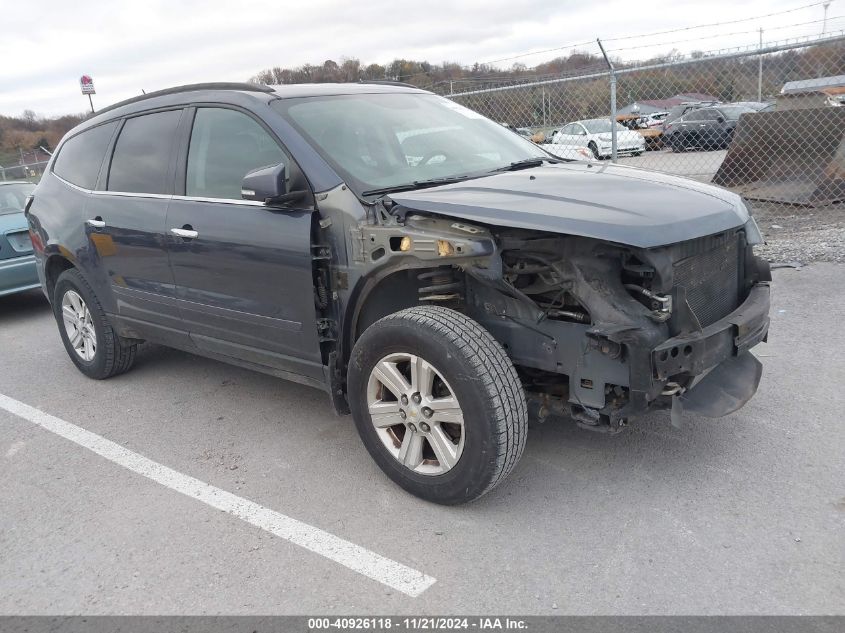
733 113
600 126
225 146
80 157
142 153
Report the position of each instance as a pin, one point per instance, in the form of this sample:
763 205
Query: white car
569 152
595 134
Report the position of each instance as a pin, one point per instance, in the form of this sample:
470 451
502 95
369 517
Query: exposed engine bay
598 331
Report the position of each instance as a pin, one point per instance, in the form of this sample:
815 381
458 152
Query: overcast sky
152 44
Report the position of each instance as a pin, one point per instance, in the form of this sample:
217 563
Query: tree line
727 79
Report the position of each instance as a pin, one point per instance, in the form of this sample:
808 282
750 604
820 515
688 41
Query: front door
243 270
126 222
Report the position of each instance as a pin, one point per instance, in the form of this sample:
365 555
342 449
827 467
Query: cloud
129 46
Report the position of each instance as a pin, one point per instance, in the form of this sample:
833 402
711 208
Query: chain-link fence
765 122
19 170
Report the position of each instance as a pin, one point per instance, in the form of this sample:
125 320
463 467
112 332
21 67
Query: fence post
612 102
760 70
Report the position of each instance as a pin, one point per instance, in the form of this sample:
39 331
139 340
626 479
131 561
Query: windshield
601 126
733 113
13 197
377 141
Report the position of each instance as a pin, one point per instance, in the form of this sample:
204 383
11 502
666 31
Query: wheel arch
381 294
54 266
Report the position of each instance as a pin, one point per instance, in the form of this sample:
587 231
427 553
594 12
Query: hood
607 202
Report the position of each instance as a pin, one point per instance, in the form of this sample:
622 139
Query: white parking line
384 570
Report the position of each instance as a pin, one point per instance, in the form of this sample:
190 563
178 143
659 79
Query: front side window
225 146
141 160
387 140
80 157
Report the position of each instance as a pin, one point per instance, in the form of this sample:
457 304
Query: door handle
186 232
96 223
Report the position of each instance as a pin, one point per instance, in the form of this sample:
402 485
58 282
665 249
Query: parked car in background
676 112
595 134
636 123
704 128
758 106
569 152
655 119
17 262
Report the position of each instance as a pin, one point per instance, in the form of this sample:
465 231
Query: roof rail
187 88
387 82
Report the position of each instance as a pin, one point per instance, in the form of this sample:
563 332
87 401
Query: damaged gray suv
437 275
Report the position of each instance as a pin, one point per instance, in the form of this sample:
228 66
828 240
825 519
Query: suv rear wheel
437 403
92 344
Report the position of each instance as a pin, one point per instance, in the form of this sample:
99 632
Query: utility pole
824 21
760 69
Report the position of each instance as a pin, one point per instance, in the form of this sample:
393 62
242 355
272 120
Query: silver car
17 261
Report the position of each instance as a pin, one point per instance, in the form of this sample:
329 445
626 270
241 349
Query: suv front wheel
437 403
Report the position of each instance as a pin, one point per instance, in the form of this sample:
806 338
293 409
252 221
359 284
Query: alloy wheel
416 414
79 325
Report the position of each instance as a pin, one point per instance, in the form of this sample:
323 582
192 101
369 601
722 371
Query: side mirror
720 119
267 185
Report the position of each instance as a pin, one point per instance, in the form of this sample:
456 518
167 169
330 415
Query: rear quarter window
80 157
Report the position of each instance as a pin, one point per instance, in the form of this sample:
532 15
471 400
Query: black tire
113 355
594 149
482 378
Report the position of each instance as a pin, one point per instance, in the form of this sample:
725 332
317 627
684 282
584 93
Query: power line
678 30
710 37
705 26
548 50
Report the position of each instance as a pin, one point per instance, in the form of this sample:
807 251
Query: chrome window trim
70 184
251 203
129 194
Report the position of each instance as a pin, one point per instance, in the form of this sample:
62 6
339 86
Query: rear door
126 221
709 128
689 128
244 270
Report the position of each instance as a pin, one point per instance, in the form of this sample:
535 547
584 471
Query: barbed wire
710 37
715 24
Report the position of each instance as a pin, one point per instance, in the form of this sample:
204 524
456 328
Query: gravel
801 235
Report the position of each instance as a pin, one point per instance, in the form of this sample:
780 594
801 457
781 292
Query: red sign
87 85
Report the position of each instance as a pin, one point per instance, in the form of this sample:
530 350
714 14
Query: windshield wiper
528 163
417 184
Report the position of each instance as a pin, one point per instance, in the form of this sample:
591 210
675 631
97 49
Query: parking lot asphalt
740 515
698 165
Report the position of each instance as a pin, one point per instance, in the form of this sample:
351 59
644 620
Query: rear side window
141 159
225 146
80 157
